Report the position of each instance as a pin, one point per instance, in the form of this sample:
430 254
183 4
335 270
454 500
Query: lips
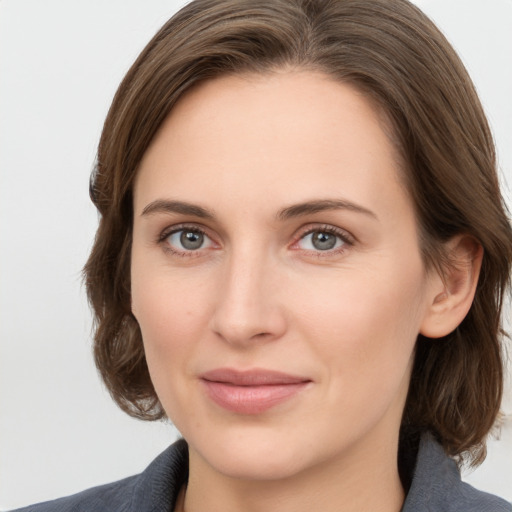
253 391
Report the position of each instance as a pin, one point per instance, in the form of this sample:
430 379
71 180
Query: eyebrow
296 210
167 206
321 205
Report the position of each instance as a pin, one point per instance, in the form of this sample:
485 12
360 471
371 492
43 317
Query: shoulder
437 486
154 490
112 497
471 499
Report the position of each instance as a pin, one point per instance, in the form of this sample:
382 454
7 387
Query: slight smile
251 391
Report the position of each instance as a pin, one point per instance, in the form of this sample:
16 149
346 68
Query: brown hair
391 51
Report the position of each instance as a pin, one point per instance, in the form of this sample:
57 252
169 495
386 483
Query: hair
393 53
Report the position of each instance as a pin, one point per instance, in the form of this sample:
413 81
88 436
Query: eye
187 239
324 239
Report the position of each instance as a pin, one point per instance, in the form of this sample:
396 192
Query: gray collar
437 486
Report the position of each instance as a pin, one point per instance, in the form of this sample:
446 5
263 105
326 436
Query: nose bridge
247 306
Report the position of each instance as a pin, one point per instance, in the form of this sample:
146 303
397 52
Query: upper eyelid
169 230
312 228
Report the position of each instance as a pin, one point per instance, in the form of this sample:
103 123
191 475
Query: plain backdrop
60 64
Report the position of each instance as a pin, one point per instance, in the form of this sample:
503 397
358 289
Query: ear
451 294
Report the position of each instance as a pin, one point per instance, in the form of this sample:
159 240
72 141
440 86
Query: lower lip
251 399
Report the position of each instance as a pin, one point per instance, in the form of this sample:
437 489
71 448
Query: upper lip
253 377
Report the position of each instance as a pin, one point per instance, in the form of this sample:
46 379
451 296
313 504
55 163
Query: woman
301 261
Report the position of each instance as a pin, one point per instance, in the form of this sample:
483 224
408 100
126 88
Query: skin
259 294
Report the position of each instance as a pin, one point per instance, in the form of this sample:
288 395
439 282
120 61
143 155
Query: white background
60 63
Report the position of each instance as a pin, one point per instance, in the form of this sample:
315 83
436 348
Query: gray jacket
436 487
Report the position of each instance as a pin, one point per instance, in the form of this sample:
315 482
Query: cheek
364 332
170 325
167 302
171 317
166 318
365 323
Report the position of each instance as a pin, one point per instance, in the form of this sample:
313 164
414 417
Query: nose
248 308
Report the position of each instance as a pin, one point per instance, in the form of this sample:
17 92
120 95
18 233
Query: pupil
191 240
323 241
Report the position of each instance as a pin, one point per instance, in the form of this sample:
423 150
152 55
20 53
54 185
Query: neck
365 480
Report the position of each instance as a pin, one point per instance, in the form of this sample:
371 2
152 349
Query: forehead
289 132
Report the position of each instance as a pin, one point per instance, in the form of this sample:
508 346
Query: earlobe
452 292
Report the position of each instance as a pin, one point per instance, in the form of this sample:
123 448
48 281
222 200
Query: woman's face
276 274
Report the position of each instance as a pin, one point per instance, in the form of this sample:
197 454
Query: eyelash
162 239
346 239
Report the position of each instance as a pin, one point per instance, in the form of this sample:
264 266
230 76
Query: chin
251 457
258 466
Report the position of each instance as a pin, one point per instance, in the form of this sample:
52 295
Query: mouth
253 391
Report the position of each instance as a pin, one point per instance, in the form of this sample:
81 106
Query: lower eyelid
340 245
